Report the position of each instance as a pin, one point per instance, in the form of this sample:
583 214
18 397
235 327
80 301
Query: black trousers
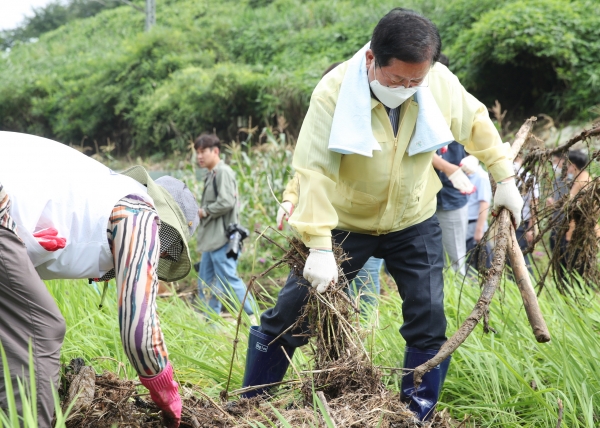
523 244
414 258
478 256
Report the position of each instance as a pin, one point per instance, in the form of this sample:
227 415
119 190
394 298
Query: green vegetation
215 65
501 379
50 17
535 56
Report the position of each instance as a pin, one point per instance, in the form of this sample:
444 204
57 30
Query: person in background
525 233
452 198
373 199
366 286
578 178
559 187
218 209
452 203
478 211
79 219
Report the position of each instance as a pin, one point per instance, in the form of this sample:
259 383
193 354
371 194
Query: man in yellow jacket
383 205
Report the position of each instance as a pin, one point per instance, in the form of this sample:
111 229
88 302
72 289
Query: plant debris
344 386
121 403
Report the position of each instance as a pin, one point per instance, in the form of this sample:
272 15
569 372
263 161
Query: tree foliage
226 63
52 16
535 56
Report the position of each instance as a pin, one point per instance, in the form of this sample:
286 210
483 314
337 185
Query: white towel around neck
351 131
431 131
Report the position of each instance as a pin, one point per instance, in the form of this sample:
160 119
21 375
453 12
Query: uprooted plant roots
343 384
580 212
110 402
341 363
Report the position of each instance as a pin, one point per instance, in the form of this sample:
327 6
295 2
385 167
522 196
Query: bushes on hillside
52 16
535 56
215 64
204 66
197 99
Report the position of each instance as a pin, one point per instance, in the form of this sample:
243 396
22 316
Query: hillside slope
215 65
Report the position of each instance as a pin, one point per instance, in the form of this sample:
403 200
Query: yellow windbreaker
390 191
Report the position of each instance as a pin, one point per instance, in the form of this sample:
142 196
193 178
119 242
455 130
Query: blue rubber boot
264 364
422 401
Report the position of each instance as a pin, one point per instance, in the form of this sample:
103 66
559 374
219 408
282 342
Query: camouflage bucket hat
177 208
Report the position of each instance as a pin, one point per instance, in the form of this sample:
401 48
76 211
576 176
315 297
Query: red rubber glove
48 238
164 391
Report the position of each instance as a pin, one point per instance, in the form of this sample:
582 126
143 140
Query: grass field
501 379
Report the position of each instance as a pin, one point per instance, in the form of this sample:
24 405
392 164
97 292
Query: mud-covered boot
422 401
265 363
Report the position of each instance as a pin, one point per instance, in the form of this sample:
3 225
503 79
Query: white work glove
508 196
469 164
284 212
461 182
321 269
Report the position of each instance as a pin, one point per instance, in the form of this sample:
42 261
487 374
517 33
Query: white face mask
390 97
570 176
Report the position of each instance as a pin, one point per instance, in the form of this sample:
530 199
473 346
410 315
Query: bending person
82 220
361 190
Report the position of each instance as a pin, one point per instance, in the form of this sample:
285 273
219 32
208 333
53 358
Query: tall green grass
506 378
26 416
500 379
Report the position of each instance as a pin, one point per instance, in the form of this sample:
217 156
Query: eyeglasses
405 82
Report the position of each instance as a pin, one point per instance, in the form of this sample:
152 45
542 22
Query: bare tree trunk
523 280
517 261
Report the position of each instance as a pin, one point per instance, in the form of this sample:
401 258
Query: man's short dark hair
407 36
578 158
207 141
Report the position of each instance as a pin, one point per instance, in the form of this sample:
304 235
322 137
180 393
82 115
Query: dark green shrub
196 99
535 56
215 64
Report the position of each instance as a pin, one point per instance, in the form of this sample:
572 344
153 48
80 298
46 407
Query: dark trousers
523 244
567 259
477 257
28 313
414 258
